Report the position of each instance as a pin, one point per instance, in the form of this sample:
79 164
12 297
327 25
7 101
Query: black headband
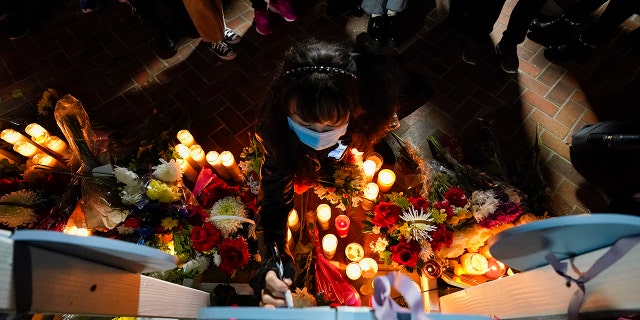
311 69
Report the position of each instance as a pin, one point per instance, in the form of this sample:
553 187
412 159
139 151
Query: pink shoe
284 8
261 18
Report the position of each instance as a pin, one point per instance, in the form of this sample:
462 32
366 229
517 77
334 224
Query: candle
294 221
369 168
369 268
183 151
73 230
289 235
354 251
11 136
187 170
185 137
198 155
377 158
46 160
474 263
37 133
386 178
25 148
370 194
366 289
357 155
213 158
329 245
56 145
342 224
495 269
323 212
229 163
353 271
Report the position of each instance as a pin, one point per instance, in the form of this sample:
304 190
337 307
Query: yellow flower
169 223
157 190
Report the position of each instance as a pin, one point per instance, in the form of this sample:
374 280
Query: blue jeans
381 6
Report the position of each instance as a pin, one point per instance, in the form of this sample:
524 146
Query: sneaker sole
263 33
275 10
231 57
468 61
233 41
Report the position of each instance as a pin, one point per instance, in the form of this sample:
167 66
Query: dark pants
259 4
612 17
477 16
523 13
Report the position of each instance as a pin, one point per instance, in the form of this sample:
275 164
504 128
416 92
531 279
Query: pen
276 257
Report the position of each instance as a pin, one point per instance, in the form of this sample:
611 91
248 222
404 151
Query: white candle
329 245
187 170
46 160
185 137
183 151
369 268
294 221
229 163
377 158
370 194
213 158
37 133
354 251
323 212
198 155
369 168
11 136
353 271
25 148
474 263
357 155
56 145
386 178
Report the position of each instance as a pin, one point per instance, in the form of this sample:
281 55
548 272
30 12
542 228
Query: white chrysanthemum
131 194
227 214
426 252
217 259
198 264
419 223
20 214
167 171
380 245
375 230
483 203
126 176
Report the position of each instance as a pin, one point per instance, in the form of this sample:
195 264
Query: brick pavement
107 59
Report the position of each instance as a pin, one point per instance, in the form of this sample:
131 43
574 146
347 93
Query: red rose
456 197
441 237
405 253
204 238
215 190
133 223
444 205
234 253
419 203
387 214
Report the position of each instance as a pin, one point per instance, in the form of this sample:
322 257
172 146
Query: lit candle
369 168
369 267
370 194
11 136
213 158
229 163
357 155
495 269
56 145
37 133
25 148
73 230
323 212
187 170
353 271
198 155
474 263
377 158
185 137
342 224
354 251
289 235
329 245
46 160
386 178
183 151
294 221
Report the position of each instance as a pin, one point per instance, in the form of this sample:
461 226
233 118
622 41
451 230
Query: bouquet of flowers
342 182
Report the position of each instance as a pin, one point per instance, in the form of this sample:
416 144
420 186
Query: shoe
508 58
89 5
166 43
377 29
223 50
17 28
393 30
578 51
263 26
283 8
553 25
231 37
473 51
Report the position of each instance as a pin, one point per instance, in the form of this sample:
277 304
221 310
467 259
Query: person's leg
523 13
377 26
261 17
480 18
617 12
17 18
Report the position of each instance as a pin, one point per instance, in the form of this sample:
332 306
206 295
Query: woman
323 92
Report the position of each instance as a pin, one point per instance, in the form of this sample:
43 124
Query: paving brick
539 102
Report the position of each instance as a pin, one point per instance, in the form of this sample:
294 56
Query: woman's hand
274 291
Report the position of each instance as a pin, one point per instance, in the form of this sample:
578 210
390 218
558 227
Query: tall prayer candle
342 223
213 158
293 220
353 271
37 133
369 168
198 155
185 137
229 163
46 160
323 211
11 136
187 170
386 179
183 151
56 145
329 245
25 148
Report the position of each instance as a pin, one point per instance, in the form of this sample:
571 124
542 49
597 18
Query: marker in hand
276 257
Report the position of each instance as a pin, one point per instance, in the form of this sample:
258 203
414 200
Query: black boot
553 32
393 30
578 51
377 29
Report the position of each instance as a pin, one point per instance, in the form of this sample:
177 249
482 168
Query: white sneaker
223 50
231 37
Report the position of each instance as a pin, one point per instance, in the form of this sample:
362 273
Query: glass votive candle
370 194
353 271
386 179
342 224
293 220
329 245
377 158
369 267
323 213
354 251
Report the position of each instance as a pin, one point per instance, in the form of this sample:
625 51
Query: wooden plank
7 302
542 292
69 285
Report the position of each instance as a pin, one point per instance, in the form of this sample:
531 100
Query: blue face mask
317 140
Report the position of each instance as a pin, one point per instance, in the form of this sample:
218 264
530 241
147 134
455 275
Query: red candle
342 225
